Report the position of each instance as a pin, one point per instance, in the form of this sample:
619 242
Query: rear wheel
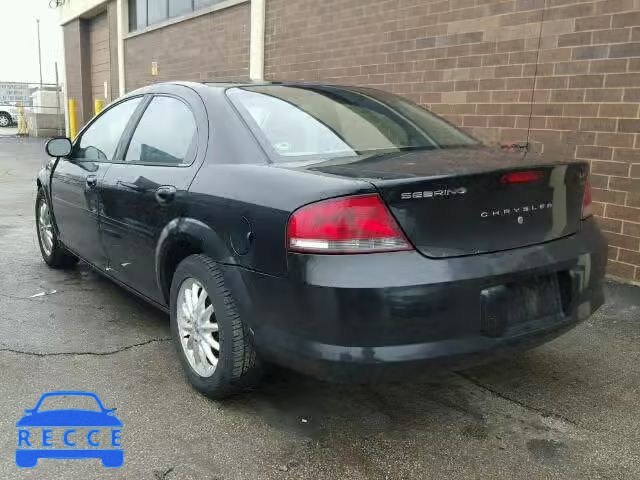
214 344
53 253
5 120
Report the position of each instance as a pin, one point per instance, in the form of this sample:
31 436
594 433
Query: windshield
296 122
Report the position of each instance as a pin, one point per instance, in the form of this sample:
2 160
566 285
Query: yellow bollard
23 129
98 106
73 119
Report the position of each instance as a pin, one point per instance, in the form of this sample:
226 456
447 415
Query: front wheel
53 253
5 120
213 343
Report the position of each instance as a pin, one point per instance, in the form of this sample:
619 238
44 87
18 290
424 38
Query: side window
98 143
165 135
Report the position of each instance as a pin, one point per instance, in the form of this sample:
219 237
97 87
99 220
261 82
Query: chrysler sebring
339 231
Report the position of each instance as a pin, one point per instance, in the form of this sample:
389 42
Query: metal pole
73 122
39 52
55 64
98 106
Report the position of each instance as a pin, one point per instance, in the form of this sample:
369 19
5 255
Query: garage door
100 58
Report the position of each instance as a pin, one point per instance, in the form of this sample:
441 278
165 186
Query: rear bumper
368 317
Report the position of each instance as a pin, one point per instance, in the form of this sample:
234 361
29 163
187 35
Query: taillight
358 224
522 177
587 207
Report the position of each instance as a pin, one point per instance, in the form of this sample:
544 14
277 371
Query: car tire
53 252
237 367
5 120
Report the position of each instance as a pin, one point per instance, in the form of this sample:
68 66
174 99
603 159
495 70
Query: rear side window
165 135
326 121
99 141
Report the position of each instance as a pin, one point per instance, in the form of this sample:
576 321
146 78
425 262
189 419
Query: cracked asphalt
569 409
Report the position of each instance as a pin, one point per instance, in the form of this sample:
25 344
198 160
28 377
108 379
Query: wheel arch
42 184
183 237
42 181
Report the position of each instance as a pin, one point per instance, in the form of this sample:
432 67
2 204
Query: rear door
77 181
145 190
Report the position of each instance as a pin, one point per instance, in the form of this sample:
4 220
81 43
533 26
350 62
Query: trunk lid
454 202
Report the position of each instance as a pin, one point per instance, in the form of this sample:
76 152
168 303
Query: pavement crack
540 411
47 299
162 474
93 354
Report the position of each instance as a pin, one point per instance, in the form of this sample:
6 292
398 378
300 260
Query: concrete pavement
569 409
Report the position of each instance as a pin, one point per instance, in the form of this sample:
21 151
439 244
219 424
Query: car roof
237 83
221 85
216 87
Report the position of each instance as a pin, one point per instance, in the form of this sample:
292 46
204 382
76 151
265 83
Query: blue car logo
69 433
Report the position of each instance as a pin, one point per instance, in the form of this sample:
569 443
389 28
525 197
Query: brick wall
473 61
211 46
87 68
77 73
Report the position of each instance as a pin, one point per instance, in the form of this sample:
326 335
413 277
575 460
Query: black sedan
340 231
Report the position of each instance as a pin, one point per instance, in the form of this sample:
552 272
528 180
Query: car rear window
296 122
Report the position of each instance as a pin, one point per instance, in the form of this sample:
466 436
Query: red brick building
566 70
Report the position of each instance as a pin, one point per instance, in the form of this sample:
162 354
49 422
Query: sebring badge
433 193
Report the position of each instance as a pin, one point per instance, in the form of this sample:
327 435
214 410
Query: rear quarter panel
248 206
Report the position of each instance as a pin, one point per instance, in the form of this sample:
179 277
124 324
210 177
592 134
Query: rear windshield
301 122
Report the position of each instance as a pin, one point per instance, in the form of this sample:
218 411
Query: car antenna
526 146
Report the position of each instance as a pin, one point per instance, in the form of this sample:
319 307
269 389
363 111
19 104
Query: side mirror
58 147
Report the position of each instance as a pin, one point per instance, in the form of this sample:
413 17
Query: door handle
92 181
165 194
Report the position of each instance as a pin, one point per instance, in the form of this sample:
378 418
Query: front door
77 182
145 192
76 205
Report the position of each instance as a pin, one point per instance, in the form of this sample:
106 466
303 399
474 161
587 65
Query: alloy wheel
45 228
198 327
4 121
